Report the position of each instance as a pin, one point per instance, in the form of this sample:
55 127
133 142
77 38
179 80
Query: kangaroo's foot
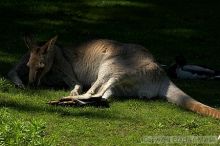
91 96
76 100
85 96
72 101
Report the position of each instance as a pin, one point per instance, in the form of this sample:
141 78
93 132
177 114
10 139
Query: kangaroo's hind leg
98 99
108 77
96 91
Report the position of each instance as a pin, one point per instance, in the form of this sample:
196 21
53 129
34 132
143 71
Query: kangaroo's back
89 56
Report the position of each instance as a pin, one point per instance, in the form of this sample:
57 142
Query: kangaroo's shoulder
113 47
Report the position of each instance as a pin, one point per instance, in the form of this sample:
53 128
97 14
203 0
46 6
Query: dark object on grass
96 102
181 70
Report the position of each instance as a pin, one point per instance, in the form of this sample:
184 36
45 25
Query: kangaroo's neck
56 60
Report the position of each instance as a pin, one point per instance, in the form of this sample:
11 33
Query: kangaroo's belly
136 86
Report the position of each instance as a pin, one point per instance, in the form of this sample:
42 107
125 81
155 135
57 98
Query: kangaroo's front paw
20 85
76 91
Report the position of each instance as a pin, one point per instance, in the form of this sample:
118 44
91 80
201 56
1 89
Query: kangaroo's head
41 59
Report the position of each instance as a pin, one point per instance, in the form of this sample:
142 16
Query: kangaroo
110 68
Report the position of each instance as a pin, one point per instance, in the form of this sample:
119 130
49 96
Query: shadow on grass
213 102
4 67
65 111
81 112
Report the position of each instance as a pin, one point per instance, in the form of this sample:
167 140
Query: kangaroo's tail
174 95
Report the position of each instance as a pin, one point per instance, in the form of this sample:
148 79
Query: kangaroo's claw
68 98
67 102
62 103
79 103
21 86
53 102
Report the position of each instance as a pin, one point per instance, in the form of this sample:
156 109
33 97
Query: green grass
167 28
16 131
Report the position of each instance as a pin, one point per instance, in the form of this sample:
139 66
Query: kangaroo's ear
29 41
49 45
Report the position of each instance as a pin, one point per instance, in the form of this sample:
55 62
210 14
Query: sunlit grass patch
17 131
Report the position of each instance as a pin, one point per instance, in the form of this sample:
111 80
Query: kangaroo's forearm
65 68
19 73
